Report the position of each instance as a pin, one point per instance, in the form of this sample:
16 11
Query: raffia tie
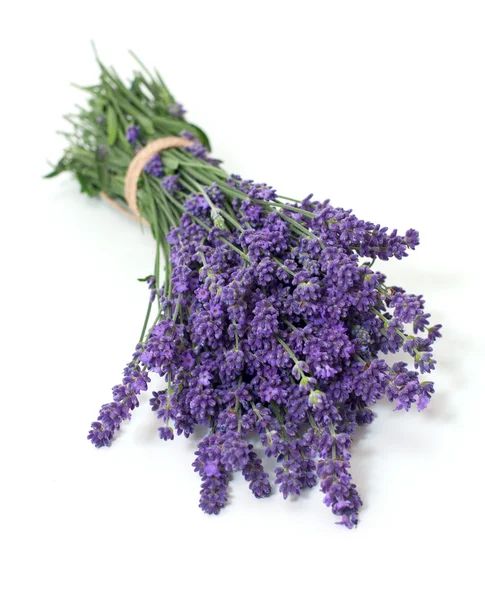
135 169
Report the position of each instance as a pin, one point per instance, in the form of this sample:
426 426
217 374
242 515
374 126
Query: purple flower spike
132 134
176 110
165 433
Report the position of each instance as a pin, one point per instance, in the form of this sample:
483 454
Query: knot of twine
135 169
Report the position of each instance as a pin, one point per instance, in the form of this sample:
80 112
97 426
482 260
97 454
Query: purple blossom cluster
133 134
125 399
154 167
274 332
176 110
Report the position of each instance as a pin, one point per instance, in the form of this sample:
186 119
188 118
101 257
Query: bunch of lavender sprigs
270 319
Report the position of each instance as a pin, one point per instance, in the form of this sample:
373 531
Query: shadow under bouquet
265 315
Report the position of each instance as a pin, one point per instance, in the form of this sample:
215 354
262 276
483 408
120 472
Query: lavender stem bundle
268 317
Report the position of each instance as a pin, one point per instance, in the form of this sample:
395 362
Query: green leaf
166 95
99 104
112 125
123 141
59 168
170 163
201 135
86 186
102 172
146 124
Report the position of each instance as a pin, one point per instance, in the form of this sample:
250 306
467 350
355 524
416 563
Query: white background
379 106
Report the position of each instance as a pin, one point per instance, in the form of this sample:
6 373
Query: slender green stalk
145 322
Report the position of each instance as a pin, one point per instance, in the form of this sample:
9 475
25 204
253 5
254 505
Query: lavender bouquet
267 320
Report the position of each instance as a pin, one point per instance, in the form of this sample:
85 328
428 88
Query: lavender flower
154 166
254 473
165 433
176 110
133 134
170 183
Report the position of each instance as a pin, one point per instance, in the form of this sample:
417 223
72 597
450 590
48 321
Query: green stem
285 268
197 188
288 349
145 323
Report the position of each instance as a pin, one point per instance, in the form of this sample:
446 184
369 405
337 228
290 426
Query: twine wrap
135 169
